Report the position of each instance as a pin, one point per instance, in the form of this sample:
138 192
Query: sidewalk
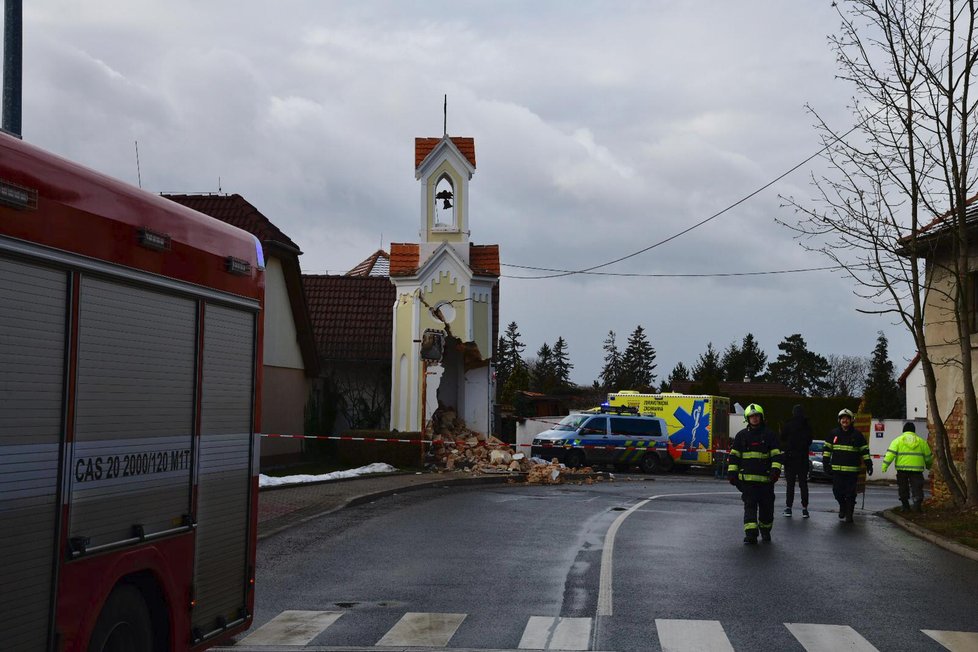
280 508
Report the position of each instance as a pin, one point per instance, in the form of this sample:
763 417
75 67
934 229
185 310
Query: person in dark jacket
845 452
796 439
755 465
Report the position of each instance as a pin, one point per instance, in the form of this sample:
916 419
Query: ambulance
698 426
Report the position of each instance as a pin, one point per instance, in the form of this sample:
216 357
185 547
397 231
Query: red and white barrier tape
442 441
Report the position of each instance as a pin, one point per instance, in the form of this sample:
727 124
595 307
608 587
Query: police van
616 436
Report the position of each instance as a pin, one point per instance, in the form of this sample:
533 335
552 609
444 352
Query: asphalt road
630 565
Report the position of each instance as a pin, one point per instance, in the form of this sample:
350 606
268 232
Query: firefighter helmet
753 409
846 413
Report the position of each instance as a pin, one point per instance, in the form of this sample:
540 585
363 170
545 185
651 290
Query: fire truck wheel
124 624
575 459
651 463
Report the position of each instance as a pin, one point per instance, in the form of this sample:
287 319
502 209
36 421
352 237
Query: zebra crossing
435 630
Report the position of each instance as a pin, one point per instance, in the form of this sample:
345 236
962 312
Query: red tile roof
424 146
902 380
484 259
405 258
377 264
236 211
351 316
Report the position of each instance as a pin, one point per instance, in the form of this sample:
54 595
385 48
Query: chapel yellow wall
460 201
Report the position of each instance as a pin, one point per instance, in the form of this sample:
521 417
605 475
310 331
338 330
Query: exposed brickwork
954 424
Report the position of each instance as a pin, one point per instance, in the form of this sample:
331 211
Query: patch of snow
376 467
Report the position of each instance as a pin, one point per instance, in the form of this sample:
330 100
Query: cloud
599 132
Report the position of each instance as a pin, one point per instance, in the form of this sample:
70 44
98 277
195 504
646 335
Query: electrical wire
586 270
705 275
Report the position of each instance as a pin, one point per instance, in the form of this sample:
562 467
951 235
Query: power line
708 275
565 272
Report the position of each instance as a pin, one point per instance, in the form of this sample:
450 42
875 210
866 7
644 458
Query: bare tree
847 375
910 158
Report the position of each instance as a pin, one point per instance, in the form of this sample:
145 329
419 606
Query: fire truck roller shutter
223 484
32 345
134 412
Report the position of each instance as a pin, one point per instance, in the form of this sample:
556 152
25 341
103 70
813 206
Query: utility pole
13 69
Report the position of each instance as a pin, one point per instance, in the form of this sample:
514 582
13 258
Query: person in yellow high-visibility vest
911 455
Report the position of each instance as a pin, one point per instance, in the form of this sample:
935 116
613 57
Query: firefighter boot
904 505
918 506
843 508
750 537
850 508
766 535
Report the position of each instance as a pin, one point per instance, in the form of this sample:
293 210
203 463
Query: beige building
445 313
934 246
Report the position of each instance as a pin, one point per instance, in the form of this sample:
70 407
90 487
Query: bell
446 204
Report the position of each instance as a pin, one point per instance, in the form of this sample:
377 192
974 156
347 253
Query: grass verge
960 525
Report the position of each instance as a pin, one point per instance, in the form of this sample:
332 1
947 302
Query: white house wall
916 390
281 343
476 411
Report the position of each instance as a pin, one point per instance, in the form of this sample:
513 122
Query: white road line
292 628
423 629
548 633
605 607
955 641
692 636
829 638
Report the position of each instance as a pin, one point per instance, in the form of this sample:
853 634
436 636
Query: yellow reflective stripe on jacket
846 469
750 477
840 447
751 455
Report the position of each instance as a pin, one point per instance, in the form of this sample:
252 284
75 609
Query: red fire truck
130 357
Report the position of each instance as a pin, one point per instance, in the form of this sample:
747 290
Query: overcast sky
600 129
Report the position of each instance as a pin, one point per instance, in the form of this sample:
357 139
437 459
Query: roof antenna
219 185
139 176
446 114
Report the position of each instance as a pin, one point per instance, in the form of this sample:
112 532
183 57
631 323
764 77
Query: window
596 426
444 204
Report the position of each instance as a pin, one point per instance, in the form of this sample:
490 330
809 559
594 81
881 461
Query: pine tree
542 372
679 372
707 372
732 363
511 370
637 362
883 398
561 363
800 369
752 357
611 372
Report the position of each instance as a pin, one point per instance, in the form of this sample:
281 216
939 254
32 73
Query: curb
381 493
927 535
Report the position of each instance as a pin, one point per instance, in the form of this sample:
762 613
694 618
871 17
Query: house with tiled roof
290 360
351 319
937 245
445 321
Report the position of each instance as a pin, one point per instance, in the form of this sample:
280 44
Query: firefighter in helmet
845 453
755 465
